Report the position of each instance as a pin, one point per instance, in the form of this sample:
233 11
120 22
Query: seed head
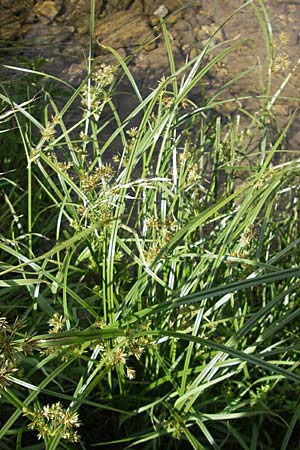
284 38
48 132
6 370
281 63
53 419
130 373
56 323
119 357
104 75
153 222
104 172
132 132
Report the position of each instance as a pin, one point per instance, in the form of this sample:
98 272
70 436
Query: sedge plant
149 280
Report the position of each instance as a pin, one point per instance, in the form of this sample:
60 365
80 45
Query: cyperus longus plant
153 263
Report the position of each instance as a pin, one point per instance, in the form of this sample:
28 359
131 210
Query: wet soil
58 31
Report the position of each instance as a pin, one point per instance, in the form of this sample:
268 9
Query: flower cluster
120 355
53 419
281 61
9 349
245 244
175 426
94 95
91 181
56 323
122 351
129 147
48 132
104 75
162 233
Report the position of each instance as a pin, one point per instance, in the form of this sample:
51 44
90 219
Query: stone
161 11
117 5
122 29
59 30
171 19
171 5
47 10
76 73
10 26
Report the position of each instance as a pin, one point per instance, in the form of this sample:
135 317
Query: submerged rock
123 29
10 26
47 10
58 31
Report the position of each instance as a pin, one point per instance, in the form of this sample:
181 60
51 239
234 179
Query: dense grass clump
150 293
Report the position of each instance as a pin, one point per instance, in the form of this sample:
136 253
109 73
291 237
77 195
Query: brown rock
156 61
76 72
149 47
82 24
16 6
9 26
170 20
137 6
47 10
117 5
122 29
154 20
